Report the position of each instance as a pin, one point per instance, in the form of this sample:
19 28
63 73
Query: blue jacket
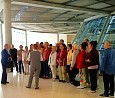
108 61
4 57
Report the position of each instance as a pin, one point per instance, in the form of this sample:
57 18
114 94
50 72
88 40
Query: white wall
33 37
64 37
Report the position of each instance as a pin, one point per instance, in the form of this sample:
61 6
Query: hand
71 68
58 61
80 70
87 60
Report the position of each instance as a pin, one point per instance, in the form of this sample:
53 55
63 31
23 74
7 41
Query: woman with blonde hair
52 62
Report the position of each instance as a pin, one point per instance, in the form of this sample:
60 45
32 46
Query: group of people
64 63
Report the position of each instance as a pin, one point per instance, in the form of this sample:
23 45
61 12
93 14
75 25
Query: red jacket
62 57
81 60
46 53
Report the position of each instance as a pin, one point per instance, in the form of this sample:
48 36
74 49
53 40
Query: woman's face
68 48
80 47
53 49
61 47
89 46
26 48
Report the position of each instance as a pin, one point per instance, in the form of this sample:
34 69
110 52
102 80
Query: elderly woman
93 64
73 69
81 64
25 54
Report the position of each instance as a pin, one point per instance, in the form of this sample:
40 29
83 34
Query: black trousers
21 66
93 78
108 84
4 75
42 69
46 68
15 62
69 73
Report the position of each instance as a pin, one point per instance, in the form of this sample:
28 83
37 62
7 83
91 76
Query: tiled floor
48 89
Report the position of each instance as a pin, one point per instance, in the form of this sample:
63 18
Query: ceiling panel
37 14
110 9
83 16
48 15
57 1
82 2
16 7
74 13
57 11
99 5
37 9
14 13
67 15
29 14
111 2
62 18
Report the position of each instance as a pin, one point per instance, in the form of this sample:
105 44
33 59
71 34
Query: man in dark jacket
13 53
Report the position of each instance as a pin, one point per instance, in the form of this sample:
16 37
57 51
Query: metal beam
69 31
102 35
45 22
18 28
44 4
95 17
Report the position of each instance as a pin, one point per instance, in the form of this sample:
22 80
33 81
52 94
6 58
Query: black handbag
10 63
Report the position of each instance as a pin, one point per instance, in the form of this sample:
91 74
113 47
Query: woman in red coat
61 60
81 64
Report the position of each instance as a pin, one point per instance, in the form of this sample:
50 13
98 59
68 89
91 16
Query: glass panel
110 32
91 30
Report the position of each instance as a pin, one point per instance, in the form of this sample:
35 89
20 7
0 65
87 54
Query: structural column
57 37
1 37
26 38
7 21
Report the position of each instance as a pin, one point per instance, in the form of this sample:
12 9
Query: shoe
90 91
37 88
64 81
7 82
104 95
3 83
53 79
60 80
47 77
43 77
28 87
112 96
80 87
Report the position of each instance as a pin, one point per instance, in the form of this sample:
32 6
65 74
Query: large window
33 37
91 29
18 38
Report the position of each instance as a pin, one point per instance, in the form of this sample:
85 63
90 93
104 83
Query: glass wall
109 33
93 28
90 30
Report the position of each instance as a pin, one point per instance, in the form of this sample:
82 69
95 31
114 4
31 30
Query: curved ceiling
56 16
